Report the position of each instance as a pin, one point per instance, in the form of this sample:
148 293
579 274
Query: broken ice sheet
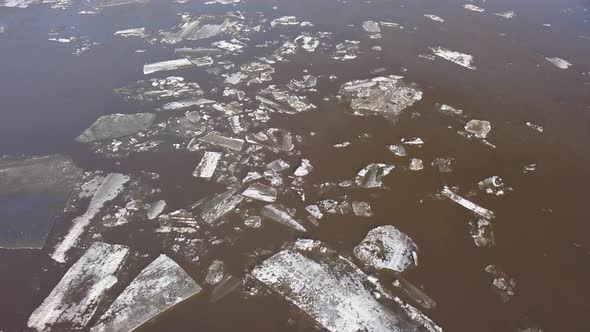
115 126
155 209
304 169
214 273
160 286
485 213
384 96
502 283
371 176
482 233
459 58
150 68
385 247
220 205
261 192
479 128
110 188
207 165
216 139
473 8
493 186
559 63
285 20
330 290
32 192
74 300
279 214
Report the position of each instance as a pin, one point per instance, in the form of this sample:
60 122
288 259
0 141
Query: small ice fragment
385 247
74 300
448 109
482 233
371 26
214 273
150 68
285 20
155 209
434 18
341 145
279 214
159 287
207 165
534 126
559 63
261 192
503 283
507 14
443 164
493 186
136 32
459 58
278 165
416 164
473 8
397 150
362 209
413 141
235 45
314 211
529 168
226 142
176 105
467 204
304 169
371 176
253 222
479 128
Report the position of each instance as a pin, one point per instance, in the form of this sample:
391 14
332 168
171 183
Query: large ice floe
382 96
40 186
115 126
332 291
386 248
160 286
73 302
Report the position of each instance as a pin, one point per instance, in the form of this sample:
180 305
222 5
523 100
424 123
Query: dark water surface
48 96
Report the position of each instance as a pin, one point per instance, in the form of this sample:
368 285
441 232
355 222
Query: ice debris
304 169
115 126
482 233
207 165
372 175
502 283
384 96
397 150
493 186
220 205
278 214
73 302
473 8
214 273
261 192
385 247
459 58
415 293
485 213
150 68
507 14
155 209
559 63
157 288
216 139
416 164
110 188
479 128
434 18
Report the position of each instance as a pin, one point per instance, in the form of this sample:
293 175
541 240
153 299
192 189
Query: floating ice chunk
235 78
308 43
473 8
397 150
534 126
434 18
232 46
385 96
214 273
371 26
372 175
279 214
467 204
443 164
115 126
261 192
341 145
110 188
73 302
196 52
331 290
176 105
135 32
415 293
493 186
155 209
529 168
482 233
150 68
285 20
18 3
362 209
479 128
416 164
159 287
207 165
385 247
235 144
459 58
278 165
253 222
304 169
503 283
191 29
44 182
347 50
314 211
559 63
223 2
448 109
275 139
227 285
220 205
508 14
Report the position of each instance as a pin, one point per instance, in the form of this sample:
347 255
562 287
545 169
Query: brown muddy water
522 66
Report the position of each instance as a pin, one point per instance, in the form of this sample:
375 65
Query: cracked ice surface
330 291
115 126
160 286
73 302
110 188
